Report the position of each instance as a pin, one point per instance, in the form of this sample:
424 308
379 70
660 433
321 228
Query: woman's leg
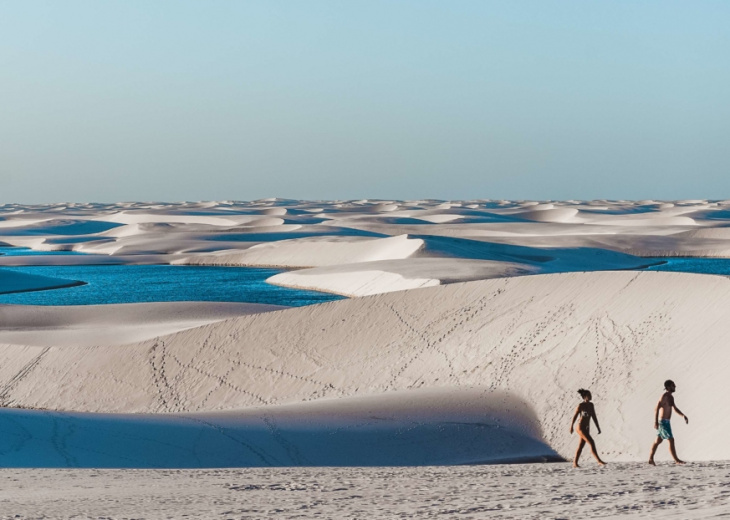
578 451
587 438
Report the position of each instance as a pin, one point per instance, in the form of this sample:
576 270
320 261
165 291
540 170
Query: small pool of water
65 227
161 283
693 265
24 251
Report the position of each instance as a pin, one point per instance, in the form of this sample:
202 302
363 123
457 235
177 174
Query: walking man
662 424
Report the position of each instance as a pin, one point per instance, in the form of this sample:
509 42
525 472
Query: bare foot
651 461
601 463
679 462
575 465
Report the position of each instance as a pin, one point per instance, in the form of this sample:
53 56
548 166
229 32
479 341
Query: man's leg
654 446
673 451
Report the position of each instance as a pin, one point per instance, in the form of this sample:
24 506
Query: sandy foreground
470 326
527 491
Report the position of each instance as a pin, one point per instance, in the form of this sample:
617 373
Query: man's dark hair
668 383
585 393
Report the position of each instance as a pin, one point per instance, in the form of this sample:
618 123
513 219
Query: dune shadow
547 259
409 428
482 250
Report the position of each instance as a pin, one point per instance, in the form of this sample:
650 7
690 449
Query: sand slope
367 278
13 281
537 337
313 251
535 320
116 324
399 428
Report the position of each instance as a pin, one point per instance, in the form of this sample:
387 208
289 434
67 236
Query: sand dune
13 281
657 221
666 246
495 311
399 428
722 233
63 227
313 251
86 259
537 337
90 325
139 218
548 214
139 228
367 278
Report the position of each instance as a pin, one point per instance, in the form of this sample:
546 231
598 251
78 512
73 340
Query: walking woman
585 411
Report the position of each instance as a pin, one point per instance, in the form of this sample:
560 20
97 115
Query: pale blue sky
179 100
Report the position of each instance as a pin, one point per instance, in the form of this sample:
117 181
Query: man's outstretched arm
686 419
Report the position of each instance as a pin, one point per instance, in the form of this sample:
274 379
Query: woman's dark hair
585 393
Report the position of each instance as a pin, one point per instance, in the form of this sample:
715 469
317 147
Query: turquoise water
693 265
62 227
161 283
23 251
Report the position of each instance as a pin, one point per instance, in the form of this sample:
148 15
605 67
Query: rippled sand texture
519 492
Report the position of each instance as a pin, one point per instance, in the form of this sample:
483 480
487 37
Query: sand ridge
114 324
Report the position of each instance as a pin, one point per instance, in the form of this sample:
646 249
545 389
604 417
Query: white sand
537 337
483 319
521 492
367 278
313 251
416 427
117 324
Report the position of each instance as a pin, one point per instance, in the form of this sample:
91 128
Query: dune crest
313 251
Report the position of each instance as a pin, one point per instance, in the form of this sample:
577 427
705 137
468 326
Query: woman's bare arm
595 418
575 416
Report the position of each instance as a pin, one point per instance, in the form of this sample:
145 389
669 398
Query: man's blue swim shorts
665 429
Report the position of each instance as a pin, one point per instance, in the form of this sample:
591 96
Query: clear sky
209 100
